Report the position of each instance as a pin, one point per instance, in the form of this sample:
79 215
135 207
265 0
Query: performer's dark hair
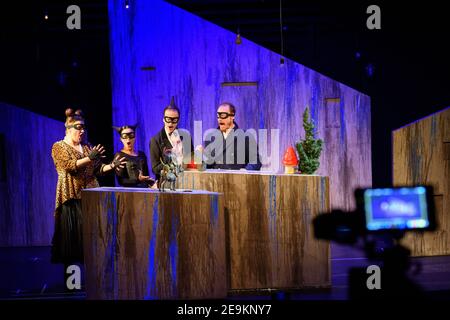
128 126
171 108
232 107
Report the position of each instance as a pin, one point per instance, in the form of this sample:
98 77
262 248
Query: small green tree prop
310 148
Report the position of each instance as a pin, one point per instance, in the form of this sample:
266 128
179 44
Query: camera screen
396 208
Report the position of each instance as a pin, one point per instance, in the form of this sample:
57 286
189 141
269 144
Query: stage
311 105
42 280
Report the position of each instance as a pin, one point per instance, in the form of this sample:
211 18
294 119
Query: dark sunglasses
127 135
224 115
171 120
78 126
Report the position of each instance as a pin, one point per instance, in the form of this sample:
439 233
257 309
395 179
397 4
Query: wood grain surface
28 183
270 239
421 155
152 245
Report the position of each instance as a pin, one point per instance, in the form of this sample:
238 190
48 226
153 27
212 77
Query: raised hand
97 152
155 185
118 163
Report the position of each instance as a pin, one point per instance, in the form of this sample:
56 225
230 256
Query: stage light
281 61
238 35
127 4
238 39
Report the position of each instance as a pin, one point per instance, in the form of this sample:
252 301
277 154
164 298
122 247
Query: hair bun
69 112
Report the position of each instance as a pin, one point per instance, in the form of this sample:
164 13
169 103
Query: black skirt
67 243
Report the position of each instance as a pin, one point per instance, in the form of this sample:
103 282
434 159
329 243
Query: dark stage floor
26 273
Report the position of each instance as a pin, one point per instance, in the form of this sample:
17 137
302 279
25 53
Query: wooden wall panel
27 195
145 244
420 156
191 59
270 236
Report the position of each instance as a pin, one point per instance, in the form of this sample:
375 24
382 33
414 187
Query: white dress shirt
177 145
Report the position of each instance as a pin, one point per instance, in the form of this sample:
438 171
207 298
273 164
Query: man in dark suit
177 140
230 147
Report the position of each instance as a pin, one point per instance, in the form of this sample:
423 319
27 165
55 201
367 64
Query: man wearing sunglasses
232 148
170 137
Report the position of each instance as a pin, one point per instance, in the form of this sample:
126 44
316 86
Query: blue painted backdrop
27 191
159 51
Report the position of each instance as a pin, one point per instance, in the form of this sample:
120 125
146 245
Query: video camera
381 215
390 211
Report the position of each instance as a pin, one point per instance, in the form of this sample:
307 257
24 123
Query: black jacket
160 141
233 147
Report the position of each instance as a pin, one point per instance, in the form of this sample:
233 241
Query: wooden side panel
151 245
420 156
269 236
27 190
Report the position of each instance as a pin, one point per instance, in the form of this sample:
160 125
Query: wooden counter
270 240
145 244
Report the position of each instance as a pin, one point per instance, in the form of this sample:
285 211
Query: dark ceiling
332 37
404 67
406 58
313 33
